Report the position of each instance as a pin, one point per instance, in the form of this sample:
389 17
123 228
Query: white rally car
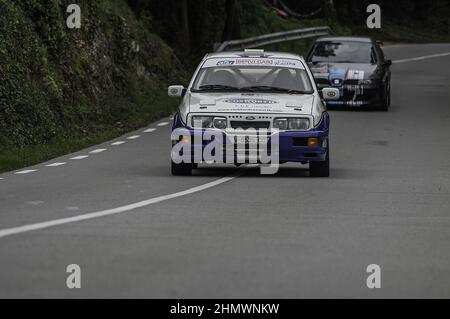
252 99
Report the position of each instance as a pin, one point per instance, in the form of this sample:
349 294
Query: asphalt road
248 236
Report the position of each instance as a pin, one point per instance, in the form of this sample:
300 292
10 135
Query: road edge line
114 211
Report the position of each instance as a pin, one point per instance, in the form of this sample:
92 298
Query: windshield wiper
275 89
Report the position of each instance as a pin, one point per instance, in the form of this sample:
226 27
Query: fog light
186 140
313 142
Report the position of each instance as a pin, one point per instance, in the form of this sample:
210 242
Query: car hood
343 71
251 103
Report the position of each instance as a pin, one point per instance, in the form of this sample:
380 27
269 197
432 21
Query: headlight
209 122
281 124
298 124
366 82
284 124
202 121
220 123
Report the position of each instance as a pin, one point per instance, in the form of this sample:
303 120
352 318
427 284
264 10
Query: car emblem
250 118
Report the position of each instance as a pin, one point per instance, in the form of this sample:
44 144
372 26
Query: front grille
352 82
249 125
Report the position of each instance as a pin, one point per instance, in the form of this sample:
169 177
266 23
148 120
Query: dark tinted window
345 52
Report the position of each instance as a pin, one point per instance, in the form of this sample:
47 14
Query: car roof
346 39
240 54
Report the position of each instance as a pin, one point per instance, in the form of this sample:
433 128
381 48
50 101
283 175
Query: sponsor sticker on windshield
237 62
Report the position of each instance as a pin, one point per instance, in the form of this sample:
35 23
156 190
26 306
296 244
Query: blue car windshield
342 52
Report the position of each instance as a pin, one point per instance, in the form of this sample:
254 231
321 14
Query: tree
184 31
329 9
231 22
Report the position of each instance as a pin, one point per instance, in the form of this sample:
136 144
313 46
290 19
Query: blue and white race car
251 107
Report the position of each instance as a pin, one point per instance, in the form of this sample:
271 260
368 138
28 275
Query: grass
13 158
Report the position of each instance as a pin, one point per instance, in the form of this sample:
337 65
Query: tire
387 99
182 169
320 169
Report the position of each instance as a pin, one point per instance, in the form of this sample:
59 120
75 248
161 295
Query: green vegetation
62 90
266 21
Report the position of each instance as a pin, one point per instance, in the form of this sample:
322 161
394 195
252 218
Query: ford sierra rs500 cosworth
252 107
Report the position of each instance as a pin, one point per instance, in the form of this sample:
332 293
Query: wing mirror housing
176 91
388 62
331 94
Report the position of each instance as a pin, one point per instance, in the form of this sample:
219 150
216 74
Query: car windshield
253 75
342 52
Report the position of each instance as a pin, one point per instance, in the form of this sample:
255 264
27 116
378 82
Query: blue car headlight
366 82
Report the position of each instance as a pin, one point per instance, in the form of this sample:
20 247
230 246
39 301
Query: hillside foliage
58 82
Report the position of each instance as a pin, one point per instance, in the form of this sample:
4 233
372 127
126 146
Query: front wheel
320 169
181 169
387 98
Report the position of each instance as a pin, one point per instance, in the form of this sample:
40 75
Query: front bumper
357 95
290 146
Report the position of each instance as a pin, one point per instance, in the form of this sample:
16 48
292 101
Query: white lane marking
26 172
56 164
77 158
118 143
421 58
115 211
163 124
134 137
1 178
150 130
100 150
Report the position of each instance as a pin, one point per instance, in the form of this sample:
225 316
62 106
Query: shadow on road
300 171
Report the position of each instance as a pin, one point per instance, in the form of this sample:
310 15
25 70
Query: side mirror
388 62
380 43
176 91
331 94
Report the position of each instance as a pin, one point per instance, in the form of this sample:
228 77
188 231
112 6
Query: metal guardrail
274 38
